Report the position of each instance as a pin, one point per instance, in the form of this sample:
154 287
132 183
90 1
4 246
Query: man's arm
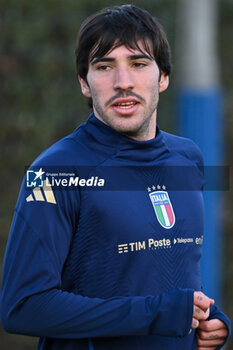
32 299
33 302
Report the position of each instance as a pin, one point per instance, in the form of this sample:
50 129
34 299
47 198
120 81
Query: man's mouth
125 105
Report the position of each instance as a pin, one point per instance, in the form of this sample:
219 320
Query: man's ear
84 87
163 82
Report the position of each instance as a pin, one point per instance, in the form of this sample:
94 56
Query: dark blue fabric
98 264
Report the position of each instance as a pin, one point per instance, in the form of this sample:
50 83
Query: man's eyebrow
112 59
102 59
138 57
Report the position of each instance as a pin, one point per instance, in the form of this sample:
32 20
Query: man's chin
133 132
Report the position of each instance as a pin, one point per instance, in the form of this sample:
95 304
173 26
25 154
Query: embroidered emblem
163 208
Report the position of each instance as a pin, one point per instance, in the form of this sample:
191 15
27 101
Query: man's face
124 86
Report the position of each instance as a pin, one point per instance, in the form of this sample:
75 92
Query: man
114 267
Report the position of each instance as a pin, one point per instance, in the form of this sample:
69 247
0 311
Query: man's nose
123 79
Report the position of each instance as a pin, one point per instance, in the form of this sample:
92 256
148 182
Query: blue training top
104 251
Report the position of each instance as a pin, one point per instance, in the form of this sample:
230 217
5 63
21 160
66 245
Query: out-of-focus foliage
41 100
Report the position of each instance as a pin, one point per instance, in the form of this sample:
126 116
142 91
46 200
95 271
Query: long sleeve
32 299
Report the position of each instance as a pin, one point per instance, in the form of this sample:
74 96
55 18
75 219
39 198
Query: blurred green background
41 101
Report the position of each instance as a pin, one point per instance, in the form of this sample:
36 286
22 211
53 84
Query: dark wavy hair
121 25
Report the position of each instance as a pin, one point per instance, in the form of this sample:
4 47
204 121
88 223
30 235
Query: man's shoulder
67 151
183 146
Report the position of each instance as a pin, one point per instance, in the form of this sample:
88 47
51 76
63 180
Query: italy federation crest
163 208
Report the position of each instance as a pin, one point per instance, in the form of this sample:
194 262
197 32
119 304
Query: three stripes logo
42 194
163 208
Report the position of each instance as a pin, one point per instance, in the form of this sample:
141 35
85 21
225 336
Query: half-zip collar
122 146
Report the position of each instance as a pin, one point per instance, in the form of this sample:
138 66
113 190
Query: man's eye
139 64
103 67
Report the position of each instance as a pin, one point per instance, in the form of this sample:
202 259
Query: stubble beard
133 132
